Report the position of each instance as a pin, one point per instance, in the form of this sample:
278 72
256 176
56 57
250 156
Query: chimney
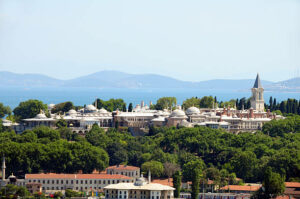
3 168
149 176
251 113
142 104
268 113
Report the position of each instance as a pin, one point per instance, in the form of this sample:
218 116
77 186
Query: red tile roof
164 182
241 187
123 167
292 184
284 197
74 176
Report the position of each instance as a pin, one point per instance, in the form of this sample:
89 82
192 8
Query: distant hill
8 79
292 85
115 79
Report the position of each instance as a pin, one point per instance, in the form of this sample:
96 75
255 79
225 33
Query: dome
140 181
40 116
102 110
72 112
185 123
192 111
90 107
51 106
158 119
177 113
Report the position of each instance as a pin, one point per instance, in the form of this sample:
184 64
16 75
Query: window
86 182
52 181
81 182
43 181
29 180
48 181
62 182
39 181
67 181
113 182
91 181
57 181
95 181
108 181
71 181
76 181
99 181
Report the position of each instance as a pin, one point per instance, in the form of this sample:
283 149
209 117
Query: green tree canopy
194 101
29 109
155 167
63 107
4 110
111 105
166 103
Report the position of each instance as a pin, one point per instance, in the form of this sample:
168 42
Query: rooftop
123 167
241 187
74 176
131 186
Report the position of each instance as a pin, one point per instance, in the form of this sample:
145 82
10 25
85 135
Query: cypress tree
130 107
271 103
195 184
177 183
282 107
274 104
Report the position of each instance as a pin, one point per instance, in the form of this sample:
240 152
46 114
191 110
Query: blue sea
81 96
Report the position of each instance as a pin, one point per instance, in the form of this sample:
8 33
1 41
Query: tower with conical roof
257 99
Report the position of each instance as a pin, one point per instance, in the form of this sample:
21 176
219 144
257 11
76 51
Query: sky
191 40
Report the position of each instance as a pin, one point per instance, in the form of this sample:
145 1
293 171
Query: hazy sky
187 39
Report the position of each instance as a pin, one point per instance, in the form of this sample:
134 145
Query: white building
52 182
141 189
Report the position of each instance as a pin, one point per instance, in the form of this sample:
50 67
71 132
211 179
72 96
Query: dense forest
245 155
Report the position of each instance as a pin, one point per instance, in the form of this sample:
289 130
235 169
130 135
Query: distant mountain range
115 79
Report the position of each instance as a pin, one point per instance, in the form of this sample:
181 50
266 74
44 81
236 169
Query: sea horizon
12 96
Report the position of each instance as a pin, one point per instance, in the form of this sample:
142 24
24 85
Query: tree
192 171
111 105
11 191
177 183
130 107
166 103
29 109
206 102
155 167
63 107
271 103
61 123
273 185
4 110
191 102
244 164
170 168
70 193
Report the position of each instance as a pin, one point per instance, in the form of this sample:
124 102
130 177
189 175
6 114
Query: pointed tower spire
257 83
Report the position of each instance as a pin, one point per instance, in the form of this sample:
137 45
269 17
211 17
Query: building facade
52 182
140 189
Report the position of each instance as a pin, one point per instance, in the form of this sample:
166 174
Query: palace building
141 188
141 119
